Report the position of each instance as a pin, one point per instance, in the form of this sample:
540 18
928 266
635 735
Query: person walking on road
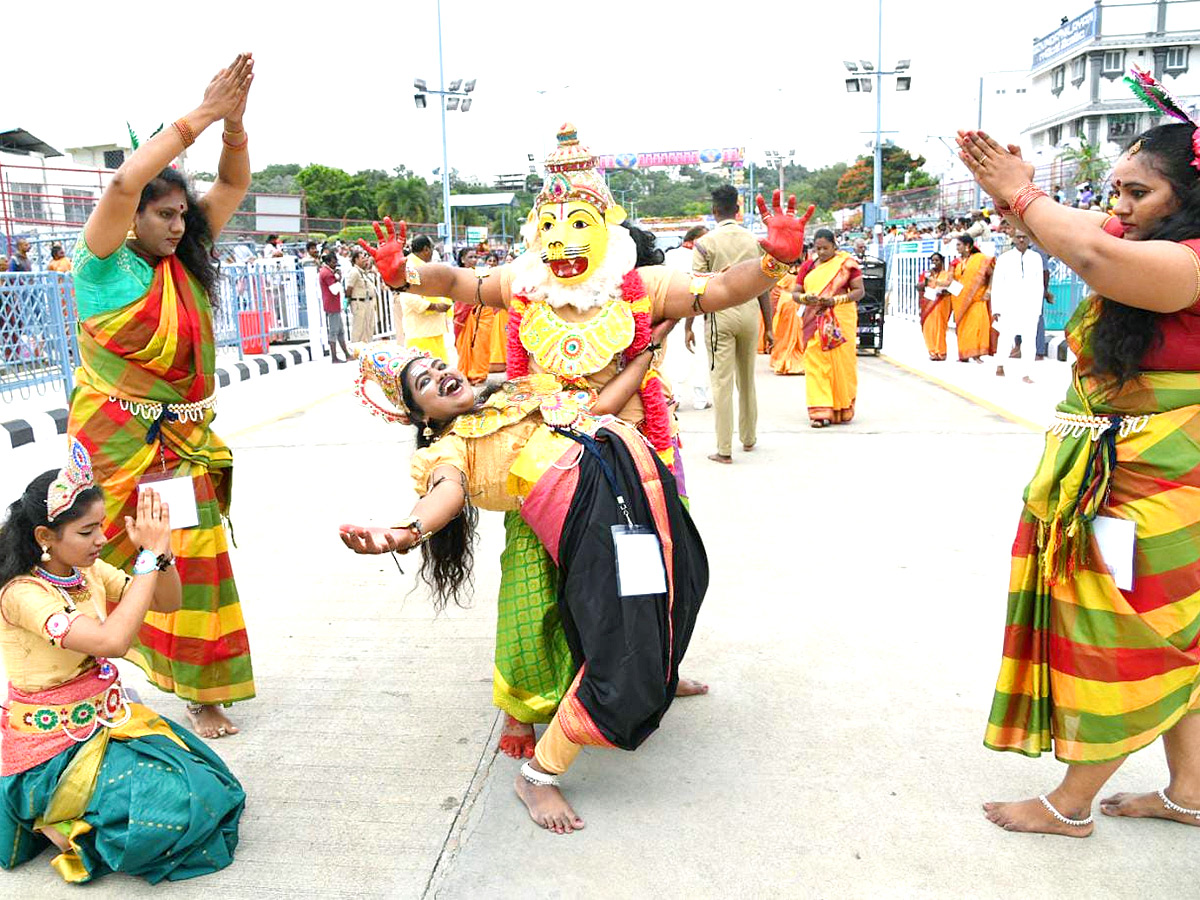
1018 289
1101 652
731 334
971 290
146 388
935 306
682 366
331 302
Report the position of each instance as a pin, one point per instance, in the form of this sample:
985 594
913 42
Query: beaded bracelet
145 563
230 144
185 132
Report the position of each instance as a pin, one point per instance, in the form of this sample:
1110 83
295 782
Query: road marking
249 429
966 395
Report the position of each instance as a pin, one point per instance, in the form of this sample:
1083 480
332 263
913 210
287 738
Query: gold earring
45 553
427 432
131 234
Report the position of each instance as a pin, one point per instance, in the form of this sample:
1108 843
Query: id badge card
179 494
640 569
1116 540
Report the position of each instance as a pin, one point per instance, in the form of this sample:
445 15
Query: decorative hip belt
1074 425
152 410
109 708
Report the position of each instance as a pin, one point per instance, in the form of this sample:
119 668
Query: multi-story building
1076 90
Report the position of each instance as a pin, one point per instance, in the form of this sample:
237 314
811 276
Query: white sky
643 77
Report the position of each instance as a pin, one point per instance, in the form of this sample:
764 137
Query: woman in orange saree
474 327
972 306
787 356
832 287
935 309
145 389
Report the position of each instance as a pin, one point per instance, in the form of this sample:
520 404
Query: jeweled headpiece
384 364
571 174
1159 99
72 480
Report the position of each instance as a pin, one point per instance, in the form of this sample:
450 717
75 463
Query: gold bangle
185 132
233 146
773 268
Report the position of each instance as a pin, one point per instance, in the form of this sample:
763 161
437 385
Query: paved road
851 636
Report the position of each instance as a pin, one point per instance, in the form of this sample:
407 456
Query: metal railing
38 349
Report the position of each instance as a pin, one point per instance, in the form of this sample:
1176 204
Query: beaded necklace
67 585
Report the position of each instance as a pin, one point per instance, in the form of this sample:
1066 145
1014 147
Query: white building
1077 92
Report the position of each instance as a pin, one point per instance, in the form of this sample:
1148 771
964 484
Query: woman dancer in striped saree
1096 667
143 401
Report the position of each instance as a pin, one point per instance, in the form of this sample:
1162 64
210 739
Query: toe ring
1074 823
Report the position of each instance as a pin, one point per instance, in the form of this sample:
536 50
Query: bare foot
210 721
57 838
548 807
1149 806
1027 380
720 458
516 738
689 687
1000 371
1030 816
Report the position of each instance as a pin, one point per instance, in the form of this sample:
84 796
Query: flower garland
656 422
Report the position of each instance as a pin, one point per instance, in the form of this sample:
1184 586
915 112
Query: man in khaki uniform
731 334
363 294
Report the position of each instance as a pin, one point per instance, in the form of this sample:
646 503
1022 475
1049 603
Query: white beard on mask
533 278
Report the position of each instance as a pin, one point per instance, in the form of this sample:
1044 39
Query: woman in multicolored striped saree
143 401
1099 663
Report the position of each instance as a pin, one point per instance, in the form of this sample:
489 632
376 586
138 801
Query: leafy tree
1087 161
856 184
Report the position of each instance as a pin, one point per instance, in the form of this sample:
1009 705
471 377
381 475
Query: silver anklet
540 779
195 708
1074 823
1175 807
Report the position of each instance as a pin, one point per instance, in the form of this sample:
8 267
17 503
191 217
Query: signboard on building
729 156
1057 43
476 234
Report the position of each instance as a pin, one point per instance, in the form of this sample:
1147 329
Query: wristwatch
413 524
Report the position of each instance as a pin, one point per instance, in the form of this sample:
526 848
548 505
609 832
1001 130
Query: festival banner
729 156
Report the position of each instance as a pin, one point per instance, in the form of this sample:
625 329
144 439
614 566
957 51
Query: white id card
931 293
955 288
1116 540
640 569
179 494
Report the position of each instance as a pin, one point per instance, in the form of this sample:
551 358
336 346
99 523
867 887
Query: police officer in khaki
731 335
363 293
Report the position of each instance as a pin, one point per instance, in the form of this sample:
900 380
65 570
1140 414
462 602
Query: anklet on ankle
1074 823
1175 807
195 708
541 779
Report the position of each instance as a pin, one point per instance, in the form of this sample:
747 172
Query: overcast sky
335 86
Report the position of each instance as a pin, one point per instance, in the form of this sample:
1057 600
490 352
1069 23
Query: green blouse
102 285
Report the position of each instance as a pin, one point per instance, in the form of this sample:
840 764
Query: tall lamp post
778 159
456 97
862 83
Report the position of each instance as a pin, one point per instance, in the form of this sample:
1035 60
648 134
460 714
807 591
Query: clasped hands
151 528
999 170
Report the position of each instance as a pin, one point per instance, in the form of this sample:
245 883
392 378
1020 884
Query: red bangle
185 132
1024 197
231 145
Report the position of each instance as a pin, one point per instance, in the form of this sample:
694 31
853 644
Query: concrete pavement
851 636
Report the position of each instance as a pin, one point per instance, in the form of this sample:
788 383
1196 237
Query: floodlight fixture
903 83
451 103
469 86
866 84
455 84
903 64
852 85
853 67
867 66
531 157
419 99
466 104
419 84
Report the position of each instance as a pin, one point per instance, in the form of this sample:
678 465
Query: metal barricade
38 346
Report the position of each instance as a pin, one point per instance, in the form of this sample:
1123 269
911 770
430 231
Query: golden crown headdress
384 364
571 174
71 481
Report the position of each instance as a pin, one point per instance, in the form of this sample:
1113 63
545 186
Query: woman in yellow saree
832 286
787 356
935 310
972 306
145 389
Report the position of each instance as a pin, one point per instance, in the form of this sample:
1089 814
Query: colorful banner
729 156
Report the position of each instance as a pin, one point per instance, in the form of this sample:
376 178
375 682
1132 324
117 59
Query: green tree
900 167
1087 162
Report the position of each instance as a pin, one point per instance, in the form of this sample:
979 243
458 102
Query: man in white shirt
683 364
1018 287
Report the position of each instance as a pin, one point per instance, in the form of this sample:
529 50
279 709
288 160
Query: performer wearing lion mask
577 309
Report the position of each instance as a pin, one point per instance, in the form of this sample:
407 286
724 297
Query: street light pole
878 192
446 215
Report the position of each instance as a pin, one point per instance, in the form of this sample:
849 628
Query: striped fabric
160 348
1091 671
